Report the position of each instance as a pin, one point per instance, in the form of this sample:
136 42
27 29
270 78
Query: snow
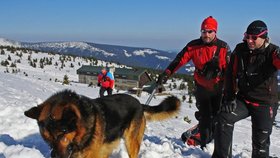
126 54
144 51
6 42
65 45
20 138
162 57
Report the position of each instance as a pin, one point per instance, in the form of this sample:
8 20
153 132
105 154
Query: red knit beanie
209 24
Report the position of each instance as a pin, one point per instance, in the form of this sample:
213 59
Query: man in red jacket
250 90
210 57
106 82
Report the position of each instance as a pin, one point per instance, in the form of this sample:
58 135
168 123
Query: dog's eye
64 129
72 127
68 129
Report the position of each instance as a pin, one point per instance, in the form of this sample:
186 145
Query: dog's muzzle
68 154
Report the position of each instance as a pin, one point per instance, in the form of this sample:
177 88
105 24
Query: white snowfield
20 138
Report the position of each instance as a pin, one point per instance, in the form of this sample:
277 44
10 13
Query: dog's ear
33 113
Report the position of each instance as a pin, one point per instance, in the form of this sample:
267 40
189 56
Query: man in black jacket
253 71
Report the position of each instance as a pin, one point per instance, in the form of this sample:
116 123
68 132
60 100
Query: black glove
229 106
98 84
162 78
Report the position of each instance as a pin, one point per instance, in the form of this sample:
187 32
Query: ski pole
152 95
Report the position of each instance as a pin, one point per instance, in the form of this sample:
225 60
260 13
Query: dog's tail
166 109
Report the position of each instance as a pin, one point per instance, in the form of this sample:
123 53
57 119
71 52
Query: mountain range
131 56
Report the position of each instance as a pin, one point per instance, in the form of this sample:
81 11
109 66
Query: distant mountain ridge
7 42
132 56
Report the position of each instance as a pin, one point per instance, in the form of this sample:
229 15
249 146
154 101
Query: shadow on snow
31 141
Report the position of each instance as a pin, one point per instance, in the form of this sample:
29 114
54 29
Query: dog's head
59 119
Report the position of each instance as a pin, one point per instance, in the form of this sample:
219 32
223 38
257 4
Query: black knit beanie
257 27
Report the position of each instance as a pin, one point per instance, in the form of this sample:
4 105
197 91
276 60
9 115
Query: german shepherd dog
76 126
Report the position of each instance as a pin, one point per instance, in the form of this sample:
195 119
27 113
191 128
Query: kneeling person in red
106 82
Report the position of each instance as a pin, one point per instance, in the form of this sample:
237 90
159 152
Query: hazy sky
160 24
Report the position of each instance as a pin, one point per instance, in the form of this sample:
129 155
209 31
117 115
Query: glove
162 78
98 84
229 106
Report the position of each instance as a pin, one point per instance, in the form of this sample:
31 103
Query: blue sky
160 24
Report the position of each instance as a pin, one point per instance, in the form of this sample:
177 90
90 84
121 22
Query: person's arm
229 100
276 58
230 78
111 80
181 59
99 79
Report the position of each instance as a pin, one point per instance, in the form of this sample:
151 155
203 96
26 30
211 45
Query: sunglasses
207 31
254 37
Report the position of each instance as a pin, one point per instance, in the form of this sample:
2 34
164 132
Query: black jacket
253 74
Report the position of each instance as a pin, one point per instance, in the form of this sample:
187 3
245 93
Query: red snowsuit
106 81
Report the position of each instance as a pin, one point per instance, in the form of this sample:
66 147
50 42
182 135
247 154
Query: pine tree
182 86
184 98
174 85
41 65
190 99
12 50
29 58
2 52
190 87
5 63
9 58
65 80
34 65
13 65
7 70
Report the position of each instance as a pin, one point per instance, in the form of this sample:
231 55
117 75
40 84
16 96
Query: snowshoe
191 136
194 140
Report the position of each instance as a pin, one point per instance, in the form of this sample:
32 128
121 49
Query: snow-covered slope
144 57
29 86
132 56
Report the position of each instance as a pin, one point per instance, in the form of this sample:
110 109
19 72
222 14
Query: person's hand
229 106
162 78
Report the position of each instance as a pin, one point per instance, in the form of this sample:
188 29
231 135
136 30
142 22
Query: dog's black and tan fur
79 127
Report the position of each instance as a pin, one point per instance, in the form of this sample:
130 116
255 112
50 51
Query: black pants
262 118
103 89
208 103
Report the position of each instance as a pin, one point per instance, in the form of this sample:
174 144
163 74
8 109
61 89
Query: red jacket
106 80
200 53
